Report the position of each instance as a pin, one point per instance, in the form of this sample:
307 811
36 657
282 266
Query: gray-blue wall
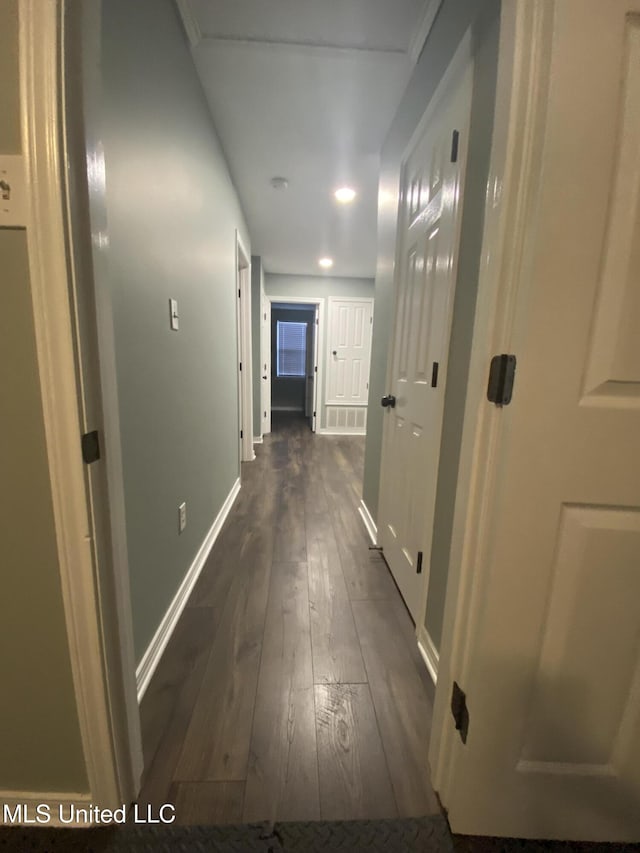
172 214
453 20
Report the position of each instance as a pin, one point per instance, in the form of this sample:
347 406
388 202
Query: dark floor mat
421 835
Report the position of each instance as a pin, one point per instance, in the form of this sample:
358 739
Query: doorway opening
294 327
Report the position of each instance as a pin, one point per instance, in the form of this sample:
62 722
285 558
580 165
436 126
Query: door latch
388 402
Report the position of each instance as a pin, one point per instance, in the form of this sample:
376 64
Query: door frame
318 301
243 321
526 32
90 531
265 364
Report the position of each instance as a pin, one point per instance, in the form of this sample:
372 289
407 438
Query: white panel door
428 226
350 323
265 364
312 370
552 668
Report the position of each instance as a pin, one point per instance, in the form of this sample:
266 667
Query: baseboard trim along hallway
369 523
156 647
429 654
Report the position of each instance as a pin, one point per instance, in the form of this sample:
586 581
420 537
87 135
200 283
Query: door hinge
240 367
314 414
90 447
315 369
455 137
434 375
238 293
241 433
265 415
419 563
460 711
501 377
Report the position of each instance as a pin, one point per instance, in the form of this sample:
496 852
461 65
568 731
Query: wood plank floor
292 688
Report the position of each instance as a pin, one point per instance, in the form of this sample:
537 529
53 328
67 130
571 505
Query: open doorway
295 378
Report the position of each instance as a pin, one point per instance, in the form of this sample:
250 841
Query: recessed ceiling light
279 183
326 263
345 195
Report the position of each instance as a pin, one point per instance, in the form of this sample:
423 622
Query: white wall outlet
182 517
13 191
174 317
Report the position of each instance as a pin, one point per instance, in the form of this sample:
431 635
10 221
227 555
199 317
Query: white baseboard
369 523
258 439
156 647
325 431
429 654
22 808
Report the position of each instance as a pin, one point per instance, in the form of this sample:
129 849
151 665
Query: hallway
292 688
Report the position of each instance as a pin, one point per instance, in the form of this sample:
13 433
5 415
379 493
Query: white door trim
514 178
102 699
245 387
307 300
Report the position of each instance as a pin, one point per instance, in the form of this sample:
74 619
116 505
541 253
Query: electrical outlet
182 517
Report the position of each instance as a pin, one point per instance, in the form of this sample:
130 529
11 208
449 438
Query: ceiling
306 90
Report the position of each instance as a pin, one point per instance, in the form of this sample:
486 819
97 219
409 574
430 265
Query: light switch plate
13 192
173 314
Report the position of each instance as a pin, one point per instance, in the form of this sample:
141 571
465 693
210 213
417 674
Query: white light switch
173 314
13 191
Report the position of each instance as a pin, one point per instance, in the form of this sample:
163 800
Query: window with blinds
292 349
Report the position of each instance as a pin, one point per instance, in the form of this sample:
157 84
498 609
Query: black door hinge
241 434
460 711
434 375
314 414
239 293
501 377
90 447
419 563
315 369
455 138
240 367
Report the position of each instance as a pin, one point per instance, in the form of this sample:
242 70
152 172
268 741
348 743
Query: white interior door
265 365
350 323
549 651
428 226
312 370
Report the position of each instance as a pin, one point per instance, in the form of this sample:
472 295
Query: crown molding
423 28
189 22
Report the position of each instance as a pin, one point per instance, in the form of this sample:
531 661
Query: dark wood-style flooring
292 688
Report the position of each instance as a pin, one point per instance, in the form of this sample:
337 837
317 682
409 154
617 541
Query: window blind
292 348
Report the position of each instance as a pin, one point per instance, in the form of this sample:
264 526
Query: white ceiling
306 90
